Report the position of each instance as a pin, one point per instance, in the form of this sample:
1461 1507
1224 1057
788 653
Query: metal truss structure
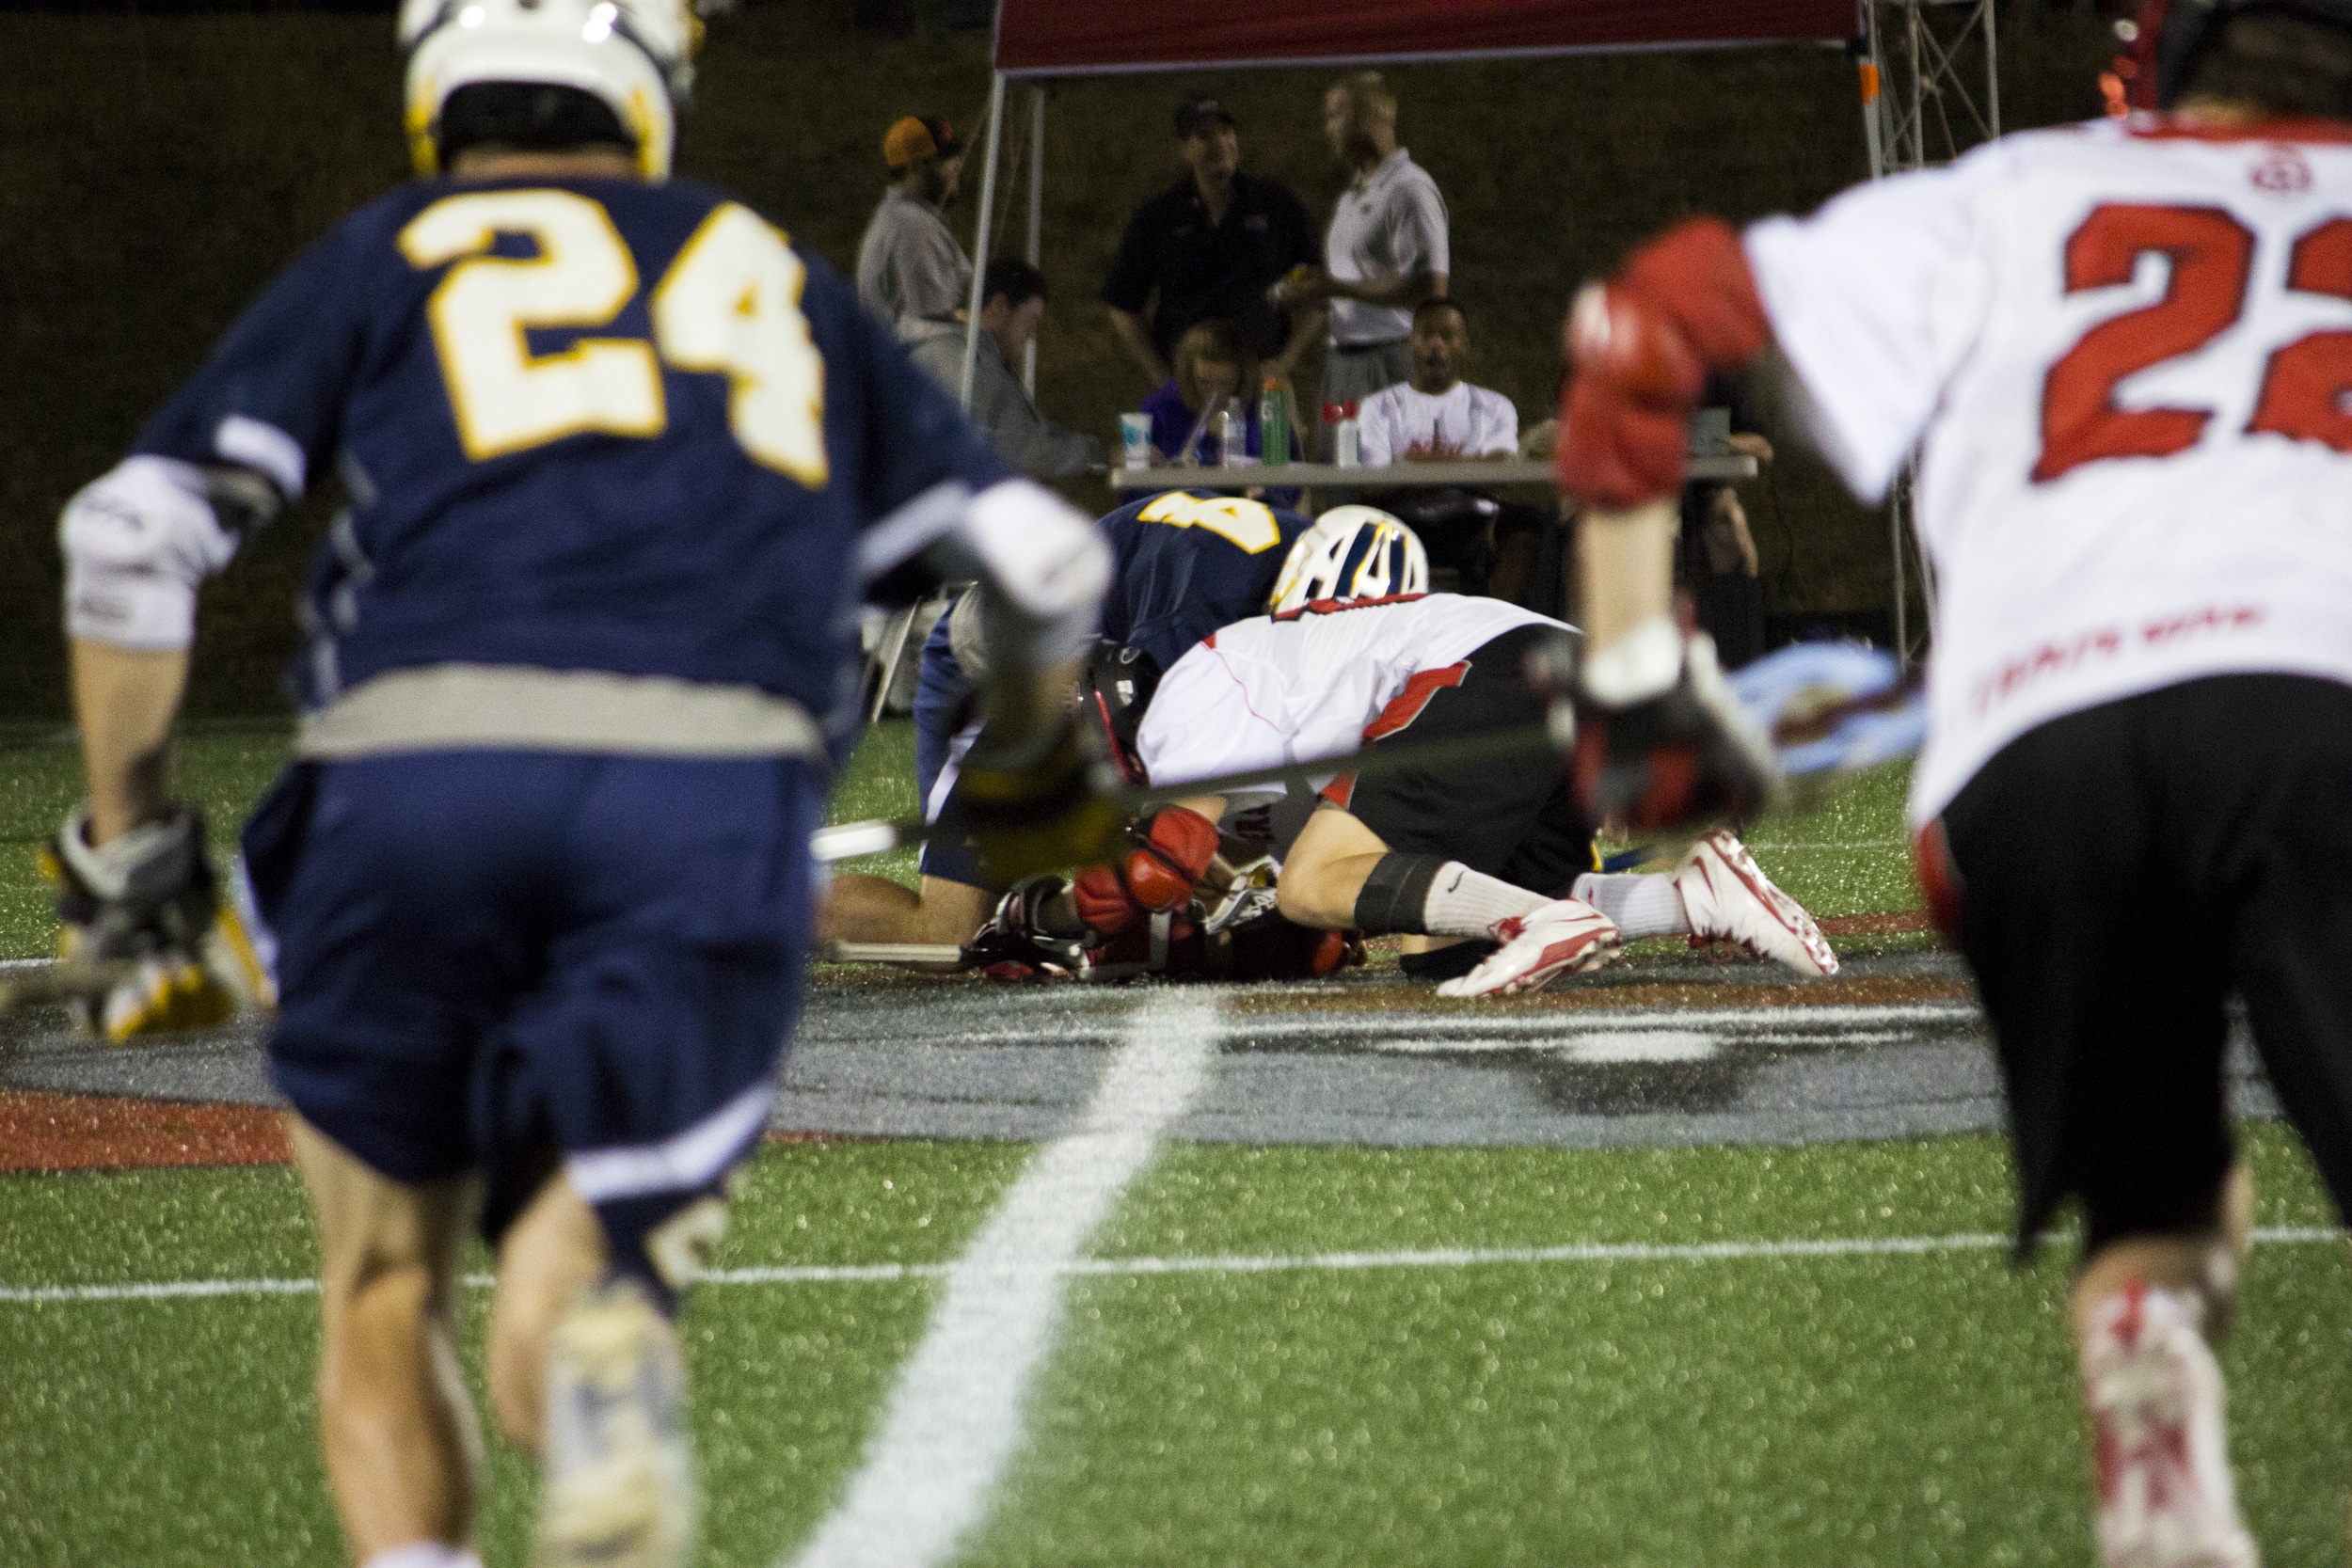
1931 90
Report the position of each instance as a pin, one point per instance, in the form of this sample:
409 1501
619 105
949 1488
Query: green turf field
1901 1409
1846 856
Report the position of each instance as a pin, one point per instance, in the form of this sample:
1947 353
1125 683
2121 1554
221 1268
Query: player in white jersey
1492 851
2122 352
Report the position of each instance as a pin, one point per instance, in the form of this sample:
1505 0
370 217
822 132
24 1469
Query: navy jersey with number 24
726 425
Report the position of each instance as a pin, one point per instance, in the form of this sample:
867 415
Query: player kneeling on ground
536 884
2140 701
1486 850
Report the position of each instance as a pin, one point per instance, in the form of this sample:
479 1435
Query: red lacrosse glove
1640 348
1168 853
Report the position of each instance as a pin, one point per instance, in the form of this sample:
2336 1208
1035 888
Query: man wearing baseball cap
1206 249
909 266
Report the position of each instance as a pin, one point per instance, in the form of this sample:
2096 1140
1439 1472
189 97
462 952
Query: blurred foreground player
537 884
2125 352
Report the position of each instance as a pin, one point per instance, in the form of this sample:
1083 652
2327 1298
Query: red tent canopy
1058 38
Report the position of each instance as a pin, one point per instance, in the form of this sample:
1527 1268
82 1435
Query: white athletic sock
426 1554
1467 903
1642 905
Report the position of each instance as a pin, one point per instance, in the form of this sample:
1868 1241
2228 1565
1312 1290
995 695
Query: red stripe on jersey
2179 128
1332 607
1401 712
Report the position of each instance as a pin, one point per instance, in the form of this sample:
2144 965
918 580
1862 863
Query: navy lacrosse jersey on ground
728 422
1189 563
1185 564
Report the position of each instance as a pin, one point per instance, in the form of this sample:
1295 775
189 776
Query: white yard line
1303 1262
954 1420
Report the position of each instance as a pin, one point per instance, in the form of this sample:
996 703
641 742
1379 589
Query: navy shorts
515 963
944 723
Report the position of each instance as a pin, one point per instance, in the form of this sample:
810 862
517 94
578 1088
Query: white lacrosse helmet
635 55
1353 552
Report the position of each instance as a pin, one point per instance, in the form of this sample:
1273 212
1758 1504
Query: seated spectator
1212 362
1012 305
1437 417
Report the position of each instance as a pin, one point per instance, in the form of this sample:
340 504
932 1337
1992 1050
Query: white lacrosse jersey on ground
2123 350
1461 422
1267 693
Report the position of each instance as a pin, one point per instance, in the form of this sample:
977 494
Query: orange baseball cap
916 137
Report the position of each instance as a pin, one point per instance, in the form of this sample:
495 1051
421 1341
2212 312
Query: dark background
161 166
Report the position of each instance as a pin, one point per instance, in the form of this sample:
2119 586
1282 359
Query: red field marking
1876 925
79 1133
58 1132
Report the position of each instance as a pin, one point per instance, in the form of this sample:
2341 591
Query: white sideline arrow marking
1303 1262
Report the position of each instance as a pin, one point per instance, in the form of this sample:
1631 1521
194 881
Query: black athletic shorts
2123 871
1512 818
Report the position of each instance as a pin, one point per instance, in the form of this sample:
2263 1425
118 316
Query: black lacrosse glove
1013 943
1658 739
1035 804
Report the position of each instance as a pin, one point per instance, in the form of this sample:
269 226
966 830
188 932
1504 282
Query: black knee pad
1396 893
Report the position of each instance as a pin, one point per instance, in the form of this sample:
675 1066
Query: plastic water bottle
1347 444
1232 435
1274 422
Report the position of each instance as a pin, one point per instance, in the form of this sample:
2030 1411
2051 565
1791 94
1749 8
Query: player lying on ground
2122 349
1492 851
537 882
1185 563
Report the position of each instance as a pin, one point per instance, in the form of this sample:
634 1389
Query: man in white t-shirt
1386 250
1437 416
2121 352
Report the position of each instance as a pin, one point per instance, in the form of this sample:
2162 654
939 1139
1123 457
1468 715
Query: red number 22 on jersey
2212 256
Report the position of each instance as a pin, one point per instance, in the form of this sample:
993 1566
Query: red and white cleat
2166 1496
1728 899
1562 938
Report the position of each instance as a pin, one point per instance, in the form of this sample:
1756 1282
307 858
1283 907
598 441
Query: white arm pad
137 541
1046 559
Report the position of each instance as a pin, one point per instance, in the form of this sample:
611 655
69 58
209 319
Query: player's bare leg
861 907
403 1451
1340 875
552 1254
587 1373
2145 1309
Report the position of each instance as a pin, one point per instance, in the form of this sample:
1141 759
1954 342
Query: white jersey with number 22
2123 351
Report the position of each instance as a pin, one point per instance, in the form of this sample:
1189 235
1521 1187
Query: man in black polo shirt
1208 247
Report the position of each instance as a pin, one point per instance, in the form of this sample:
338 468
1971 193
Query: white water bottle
1347 444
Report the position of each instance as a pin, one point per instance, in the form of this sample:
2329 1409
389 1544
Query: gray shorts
1353 374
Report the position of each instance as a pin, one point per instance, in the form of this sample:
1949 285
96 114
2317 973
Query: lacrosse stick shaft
892 953
63 982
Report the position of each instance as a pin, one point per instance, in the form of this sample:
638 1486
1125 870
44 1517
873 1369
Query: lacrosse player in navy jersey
620 462
1185 563
2121 350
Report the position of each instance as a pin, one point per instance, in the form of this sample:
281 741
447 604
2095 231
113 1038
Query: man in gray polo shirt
909 266
1385 251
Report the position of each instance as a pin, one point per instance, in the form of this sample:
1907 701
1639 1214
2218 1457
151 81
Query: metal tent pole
1037 216
979 240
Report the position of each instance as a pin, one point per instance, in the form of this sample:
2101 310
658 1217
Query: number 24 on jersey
730 305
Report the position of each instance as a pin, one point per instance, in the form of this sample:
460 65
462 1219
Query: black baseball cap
1193 111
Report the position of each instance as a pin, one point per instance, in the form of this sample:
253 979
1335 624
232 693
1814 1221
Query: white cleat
1728 899
1563 937
2166 1496
619 1487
